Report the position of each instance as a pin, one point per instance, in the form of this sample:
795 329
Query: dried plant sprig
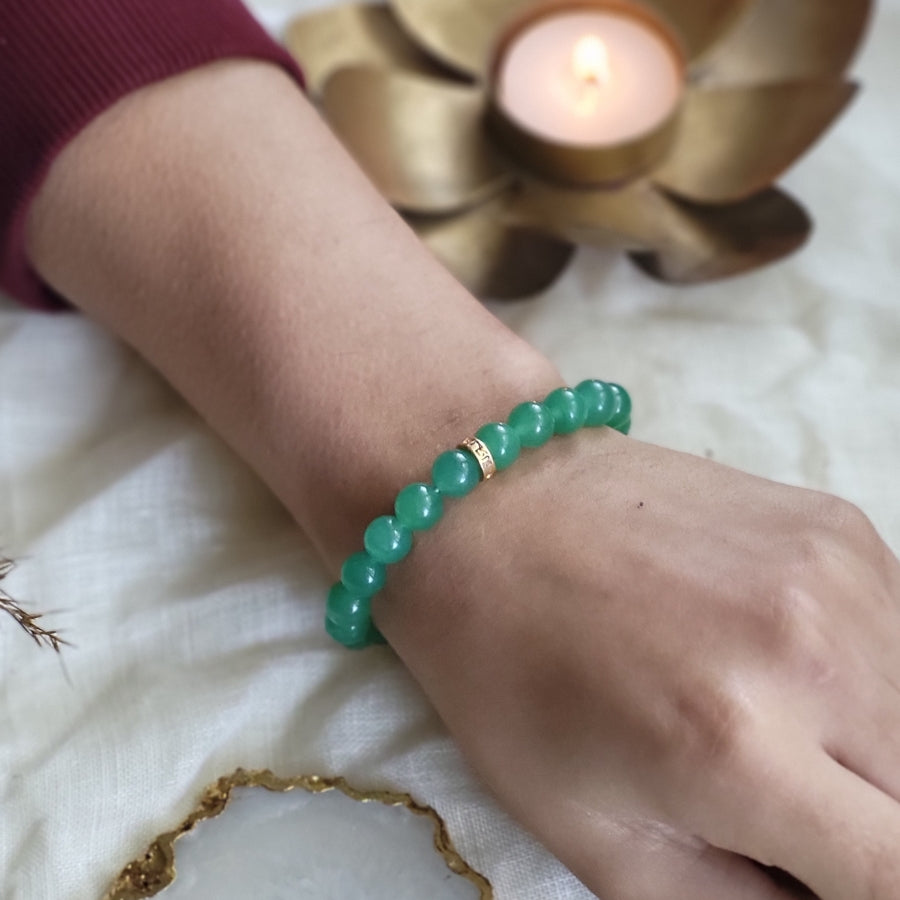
43 637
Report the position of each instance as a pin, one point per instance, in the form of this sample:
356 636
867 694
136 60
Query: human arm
213 223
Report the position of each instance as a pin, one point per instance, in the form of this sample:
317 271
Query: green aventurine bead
353 636
344 609
599 399
455 473
621 407
503 443
568 410
419 506
362 575
386 540
533 423
348 619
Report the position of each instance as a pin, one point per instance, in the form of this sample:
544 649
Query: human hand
640 685
666 668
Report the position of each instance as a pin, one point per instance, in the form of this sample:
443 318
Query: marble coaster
307 839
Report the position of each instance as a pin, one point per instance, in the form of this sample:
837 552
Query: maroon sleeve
62 62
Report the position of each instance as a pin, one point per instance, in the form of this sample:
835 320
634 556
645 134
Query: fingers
655 866
832 830
866 738
713 875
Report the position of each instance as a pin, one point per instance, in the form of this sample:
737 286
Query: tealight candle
589 77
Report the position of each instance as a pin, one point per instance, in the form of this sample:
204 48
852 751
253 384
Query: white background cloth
195 605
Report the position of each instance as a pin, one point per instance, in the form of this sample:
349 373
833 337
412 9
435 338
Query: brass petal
787 40
722 241
734 142
671 239
491 258
634 217
701 22
350 34
460 33
420 139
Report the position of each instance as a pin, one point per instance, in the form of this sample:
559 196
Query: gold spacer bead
479 450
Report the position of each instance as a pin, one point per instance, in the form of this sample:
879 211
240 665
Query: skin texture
710 664
665 668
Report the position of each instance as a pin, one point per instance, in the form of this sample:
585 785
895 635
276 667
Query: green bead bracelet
455 473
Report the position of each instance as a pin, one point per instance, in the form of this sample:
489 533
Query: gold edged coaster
155 870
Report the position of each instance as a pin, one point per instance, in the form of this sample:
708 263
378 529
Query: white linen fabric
195 605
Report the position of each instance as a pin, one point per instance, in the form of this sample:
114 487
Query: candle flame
590 60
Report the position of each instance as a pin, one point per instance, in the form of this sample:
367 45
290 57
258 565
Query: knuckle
797 634
792 616
808 560
841 517
716 726
807 556
856 520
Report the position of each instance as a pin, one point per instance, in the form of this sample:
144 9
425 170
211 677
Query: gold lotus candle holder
508 131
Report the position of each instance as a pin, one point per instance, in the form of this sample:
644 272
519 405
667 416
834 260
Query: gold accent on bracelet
155 871
483 456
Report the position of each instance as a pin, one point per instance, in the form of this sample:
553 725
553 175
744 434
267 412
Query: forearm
215 224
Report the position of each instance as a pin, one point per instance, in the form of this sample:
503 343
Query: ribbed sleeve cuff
62 63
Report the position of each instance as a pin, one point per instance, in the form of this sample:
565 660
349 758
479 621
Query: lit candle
589 77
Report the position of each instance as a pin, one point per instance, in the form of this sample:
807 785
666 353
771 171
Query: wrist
381 444
493 448
434 602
